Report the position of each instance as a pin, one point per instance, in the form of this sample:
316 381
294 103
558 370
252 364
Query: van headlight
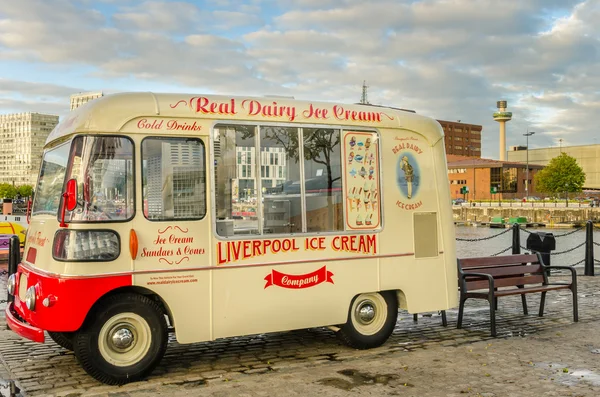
11 284
30 298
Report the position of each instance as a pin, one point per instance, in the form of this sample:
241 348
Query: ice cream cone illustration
352 142
350 199
368 219
359 220
408 175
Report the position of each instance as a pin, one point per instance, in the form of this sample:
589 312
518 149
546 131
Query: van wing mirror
69 200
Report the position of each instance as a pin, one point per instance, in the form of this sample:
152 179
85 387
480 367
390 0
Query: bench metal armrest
489 277
573 271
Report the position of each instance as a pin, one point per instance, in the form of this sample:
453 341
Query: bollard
516 239
589 248
14 257
543 243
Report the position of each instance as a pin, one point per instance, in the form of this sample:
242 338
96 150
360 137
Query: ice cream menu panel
361 180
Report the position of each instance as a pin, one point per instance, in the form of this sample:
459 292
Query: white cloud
450 59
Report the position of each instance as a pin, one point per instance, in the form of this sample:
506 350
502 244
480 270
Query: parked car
458 201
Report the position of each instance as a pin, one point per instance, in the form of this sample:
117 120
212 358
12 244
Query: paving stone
313 354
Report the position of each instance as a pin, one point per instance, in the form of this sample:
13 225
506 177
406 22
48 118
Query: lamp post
527 134
471 148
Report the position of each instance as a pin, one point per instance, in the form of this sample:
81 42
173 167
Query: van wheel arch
137 290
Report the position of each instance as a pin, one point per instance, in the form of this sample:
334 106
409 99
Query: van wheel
63 339
371 320
123 339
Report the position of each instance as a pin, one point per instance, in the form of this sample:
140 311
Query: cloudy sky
448 59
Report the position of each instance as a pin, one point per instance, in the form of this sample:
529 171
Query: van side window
173 178
280 179
236 179
323 180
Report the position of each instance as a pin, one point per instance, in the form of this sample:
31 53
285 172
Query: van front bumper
22 328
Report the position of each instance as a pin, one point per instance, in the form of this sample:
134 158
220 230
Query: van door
172 231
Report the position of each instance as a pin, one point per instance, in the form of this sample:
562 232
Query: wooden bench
492 277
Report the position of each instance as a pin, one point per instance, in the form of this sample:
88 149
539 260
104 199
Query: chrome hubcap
365 312
122 338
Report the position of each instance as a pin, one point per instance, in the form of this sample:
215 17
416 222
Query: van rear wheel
371 320
123 339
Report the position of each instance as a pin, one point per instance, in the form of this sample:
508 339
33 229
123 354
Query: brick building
462 139
481 175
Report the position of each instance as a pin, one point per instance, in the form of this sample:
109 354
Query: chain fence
523 229
483 238
503 251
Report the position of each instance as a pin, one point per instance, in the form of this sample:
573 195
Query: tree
7 191
561 175
25 190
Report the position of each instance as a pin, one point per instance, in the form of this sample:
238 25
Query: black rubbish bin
543 243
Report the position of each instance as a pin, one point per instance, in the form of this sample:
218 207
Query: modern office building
462 139
587 156
84 97
22 138
484 176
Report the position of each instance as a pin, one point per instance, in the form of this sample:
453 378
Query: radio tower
502 116
363 98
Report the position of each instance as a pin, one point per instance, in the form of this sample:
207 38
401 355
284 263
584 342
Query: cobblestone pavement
531 356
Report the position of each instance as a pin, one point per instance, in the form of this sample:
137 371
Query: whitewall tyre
371 320
123 339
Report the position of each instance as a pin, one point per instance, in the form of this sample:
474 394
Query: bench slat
505 282
467 263
513 270
528 290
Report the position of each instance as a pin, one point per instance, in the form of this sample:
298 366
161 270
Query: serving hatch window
277 180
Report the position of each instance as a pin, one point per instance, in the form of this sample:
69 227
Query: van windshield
51 180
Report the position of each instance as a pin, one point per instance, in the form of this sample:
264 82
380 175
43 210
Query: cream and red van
222 216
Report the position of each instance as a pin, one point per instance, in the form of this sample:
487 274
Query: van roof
122 113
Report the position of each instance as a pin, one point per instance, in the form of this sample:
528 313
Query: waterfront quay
540 213
532 356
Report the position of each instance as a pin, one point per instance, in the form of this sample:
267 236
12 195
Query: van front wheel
371 320
63 339
123 339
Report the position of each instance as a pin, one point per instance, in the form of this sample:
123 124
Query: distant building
482 176
22 138
515 148
462 139
84 97
587 156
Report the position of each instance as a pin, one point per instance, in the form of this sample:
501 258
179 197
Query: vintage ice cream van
222 216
